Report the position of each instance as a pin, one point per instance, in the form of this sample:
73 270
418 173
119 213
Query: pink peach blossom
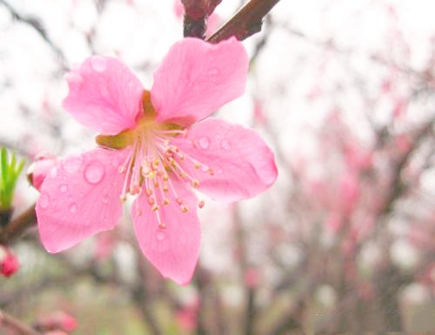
8 262
56 321
38 170
156 146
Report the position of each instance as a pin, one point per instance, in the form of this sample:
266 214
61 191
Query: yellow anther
165 188
156 162
123 197
195 183
165 177
165 202
155 208
148 191
197 165
156 184
184 209
151 200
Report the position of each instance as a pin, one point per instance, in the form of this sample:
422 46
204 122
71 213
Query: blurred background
343 92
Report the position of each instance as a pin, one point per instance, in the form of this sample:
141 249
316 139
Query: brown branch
39 28
247 21
398 188
196 13
17 226
16 325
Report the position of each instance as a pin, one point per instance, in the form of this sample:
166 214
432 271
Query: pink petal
242 164
80 197
196 78
174 250
104 95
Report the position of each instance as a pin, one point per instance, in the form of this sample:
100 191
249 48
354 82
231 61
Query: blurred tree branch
15 325
38 27
17 226
246 22
196 13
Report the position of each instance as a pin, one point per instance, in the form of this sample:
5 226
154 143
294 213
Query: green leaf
9 173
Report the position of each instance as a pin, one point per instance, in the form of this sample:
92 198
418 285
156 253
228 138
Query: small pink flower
39 169
187 315
156 147
8 262
252 277
58 321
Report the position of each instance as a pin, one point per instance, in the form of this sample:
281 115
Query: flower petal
174 250
242 164
196 78
80 197
104 95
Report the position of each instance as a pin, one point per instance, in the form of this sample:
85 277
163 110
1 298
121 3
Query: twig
247 21
250 291
18 225
16 325
200 281
38 27
196 13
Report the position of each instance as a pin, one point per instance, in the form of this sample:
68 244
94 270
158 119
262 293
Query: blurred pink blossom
58 321
334 222
38 170
349 192
252 277
187 315
8 262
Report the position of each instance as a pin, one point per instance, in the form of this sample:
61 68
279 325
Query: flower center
154 163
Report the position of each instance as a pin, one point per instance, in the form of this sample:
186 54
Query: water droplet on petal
44 201
63 188
94 172
98 63
160 236
204 142
73 207
73 164
225 144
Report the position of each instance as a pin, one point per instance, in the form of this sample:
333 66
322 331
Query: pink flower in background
349 192
187 315
104 245
334 222
156 147
252 277
57 321
39 169
8 262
